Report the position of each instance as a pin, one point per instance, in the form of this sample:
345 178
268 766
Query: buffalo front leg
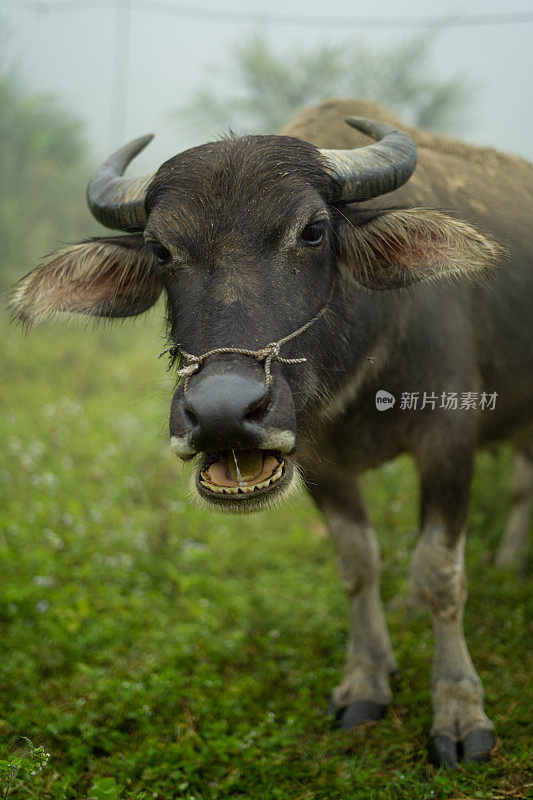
364 692
461 730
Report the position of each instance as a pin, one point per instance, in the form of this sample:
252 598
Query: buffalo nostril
190 416
258 410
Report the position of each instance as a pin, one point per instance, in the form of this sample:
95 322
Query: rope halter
267 354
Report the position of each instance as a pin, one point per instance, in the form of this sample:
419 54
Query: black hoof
477 745
356 713
442 751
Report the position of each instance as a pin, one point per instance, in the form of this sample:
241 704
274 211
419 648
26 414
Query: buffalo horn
376 169
115 201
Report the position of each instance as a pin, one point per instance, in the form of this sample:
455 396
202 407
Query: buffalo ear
107 277
391 249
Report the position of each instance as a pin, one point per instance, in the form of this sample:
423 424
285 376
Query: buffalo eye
313 234
160 252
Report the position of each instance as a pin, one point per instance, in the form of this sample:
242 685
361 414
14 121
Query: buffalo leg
513 547
461 729
364 692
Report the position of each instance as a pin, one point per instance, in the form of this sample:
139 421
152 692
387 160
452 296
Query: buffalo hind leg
364 693
513 548
461 730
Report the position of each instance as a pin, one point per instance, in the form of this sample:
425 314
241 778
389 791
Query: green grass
188 655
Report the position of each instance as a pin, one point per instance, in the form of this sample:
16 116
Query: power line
293 20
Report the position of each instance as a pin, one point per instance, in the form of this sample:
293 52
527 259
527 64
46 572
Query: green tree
260 87
43 169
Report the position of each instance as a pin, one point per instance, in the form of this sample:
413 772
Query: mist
71 52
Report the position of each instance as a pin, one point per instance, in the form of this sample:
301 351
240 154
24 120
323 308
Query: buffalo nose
225 410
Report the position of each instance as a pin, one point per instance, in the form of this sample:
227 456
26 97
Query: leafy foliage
160 651
21 768
43 169
262 88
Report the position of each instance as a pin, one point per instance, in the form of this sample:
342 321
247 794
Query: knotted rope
268 354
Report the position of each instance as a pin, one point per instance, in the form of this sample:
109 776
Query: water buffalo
329 308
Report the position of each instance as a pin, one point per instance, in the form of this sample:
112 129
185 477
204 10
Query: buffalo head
266 256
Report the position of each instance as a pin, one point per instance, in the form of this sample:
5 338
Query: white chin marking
278 440
180 447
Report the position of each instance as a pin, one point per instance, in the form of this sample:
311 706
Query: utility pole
120 76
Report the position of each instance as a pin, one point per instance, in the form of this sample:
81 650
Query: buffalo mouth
242 479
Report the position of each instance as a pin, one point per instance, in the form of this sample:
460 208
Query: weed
22 768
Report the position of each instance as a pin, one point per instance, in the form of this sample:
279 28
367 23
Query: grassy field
179 654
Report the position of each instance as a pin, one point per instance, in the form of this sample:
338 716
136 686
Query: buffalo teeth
276 475
213 488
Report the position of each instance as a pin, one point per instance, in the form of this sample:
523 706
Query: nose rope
268 354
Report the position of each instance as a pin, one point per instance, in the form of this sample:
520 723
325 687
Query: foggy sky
70 55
